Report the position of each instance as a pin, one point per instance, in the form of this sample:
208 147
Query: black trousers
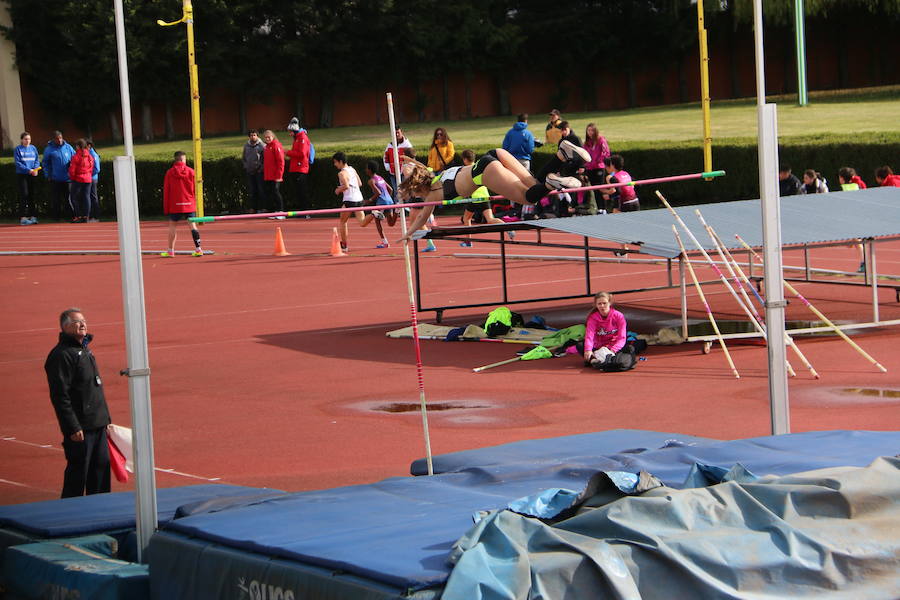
273 195
95 202
25 185
80 195
302 190
256 191
59 199
87 466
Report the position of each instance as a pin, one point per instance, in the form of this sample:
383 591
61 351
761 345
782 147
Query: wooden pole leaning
709 315
735 270
818 313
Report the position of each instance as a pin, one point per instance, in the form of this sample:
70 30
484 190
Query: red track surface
270 371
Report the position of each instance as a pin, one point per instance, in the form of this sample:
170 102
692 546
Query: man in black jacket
76 391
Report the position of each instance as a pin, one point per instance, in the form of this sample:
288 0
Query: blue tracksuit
519 141
56 161
26 159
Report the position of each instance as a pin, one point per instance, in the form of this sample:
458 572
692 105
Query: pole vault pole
138 370
704 87
187 18
409 287
709 315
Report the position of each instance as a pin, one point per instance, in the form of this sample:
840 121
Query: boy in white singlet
351 196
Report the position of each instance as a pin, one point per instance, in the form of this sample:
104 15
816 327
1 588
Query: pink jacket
599 153
609 331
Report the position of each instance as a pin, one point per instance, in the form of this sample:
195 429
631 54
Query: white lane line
52 447
16 483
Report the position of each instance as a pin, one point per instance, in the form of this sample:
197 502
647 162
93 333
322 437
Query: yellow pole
188 19
704 89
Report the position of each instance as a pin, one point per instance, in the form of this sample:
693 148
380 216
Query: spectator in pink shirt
605 330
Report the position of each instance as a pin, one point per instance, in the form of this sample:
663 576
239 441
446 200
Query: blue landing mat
398 532
99 513
559 449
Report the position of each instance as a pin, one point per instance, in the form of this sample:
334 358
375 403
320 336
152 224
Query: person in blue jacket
520 142
57 156
27 161
94 215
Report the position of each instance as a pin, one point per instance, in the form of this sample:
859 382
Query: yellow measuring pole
704 89
188 19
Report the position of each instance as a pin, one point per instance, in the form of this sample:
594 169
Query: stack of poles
329 211
743 302
791 289
412 298
740 282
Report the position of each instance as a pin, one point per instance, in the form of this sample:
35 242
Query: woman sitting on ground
605 330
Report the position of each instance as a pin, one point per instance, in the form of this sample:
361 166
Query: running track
271 371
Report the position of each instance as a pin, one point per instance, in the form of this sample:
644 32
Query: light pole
188 19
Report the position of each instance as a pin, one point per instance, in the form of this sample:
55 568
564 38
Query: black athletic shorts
175 217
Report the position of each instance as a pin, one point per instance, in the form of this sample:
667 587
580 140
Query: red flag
117 462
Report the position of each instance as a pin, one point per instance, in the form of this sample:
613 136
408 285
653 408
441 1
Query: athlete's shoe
464 245
512 235
383 245
378 214
429 249
167 254
197 253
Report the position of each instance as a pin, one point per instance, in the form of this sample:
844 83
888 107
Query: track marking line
52 447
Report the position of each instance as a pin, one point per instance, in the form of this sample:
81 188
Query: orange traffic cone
279 244
336 243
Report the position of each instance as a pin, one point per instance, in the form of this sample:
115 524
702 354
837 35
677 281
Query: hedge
225 188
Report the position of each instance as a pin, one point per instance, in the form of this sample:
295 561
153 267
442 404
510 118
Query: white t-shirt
352 193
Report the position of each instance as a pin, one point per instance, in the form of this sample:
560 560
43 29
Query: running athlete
348 187
381 196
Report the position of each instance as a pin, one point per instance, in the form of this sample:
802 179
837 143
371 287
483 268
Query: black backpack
623 360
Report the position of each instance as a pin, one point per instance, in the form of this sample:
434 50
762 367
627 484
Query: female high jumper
498 170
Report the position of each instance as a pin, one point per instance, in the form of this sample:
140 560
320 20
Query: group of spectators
602 167
264 165
72 173
814 183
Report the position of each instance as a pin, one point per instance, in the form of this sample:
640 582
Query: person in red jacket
179 202
299 156
885 176
273 171
81 170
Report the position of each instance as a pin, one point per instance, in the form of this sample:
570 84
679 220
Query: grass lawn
840 115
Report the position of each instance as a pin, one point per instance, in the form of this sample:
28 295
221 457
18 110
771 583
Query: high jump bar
327 211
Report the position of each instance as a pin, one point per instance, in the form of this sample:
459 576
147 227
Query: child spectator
849 180
179 202
884 176
813 183
273 171
94 216
788 184
27 161
381 196
605 330
596 145
624 199
81 169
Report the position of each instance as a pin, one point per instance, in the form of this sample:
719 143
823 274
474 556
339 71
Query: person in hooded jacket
81 170
76 391
519 141
94 216
179 202
299 159
55 164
